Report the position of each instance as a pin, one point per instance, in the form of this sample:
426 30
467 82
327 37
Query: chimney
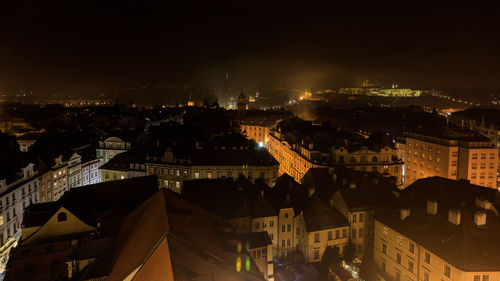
404 213
311 191
480 218
454 216
432 207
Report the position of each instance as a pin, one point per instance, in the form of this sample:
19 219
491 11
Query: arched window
62 216
374 159
352 160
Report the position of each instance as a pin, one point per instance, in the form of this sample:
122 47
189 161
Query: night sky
90 46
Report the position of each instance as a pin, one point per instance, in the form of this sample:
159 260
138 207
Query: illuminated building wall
14 198
110 147
296 160
171 175
428 156
258 133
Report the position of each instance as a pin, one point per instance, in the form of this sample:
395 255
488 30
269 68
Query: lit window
196 175
474 156
400 240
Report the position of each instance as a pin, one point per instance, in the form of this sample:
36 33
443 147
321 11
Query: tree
330 256
349 252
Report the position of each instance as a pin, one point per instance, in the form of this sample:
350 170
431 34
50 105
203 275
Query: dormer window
62 217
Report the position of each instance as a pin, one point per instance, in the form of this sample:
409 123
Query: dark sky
90 46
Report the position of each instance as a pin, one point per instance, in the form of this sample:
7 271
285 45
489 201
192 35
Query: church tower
242 104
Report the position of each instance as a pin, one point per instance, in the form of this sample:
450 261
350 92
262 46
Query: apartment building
111 147
442 230
14 198
453 155
320 226
405 250
74 171
125 165
299 152
220 161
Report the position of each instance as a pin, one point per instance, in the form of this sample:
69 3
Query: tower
242 105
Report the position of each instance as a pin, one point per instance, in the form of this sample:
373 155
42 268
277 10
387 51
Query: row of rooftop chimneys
455 215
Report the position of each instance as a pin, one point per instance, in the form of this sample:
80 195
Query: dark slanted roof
451 193
252 156
254 239
263 208
466 247
122 161
103 201
287 193
319 216
362 198
172 237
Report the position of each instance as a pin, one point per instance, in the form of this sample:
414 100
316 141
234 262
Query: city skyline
80 48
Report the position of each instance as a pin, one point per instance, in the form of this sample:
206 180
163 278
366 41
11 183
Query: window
289 228
383 267
384 248
283 243
481 175
283 228
330 235
344 233
454 154
492 165
264 224
353 236
411 248
196 175
316 237
447 271
257 225
473 175
400 240
398 258
483 165
177 173
271 223
288 242
474 156
165 183
426 276
271 236
337 234
477 277
453 172
492 155
354 218
61 217
209 175
286 215
454 163
361 217
427 258
410 266
483 155
316 253
486 278
360 233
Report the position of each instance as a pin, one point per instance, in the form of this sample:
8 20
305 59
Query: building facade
474 159
110 147
296 160
14 198
90 172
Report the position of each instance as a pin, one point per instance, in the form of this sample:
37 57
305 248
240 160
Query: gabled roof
319 216
94 203
170 235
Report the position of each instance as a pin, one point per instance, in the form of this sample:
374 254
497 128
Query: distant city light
261 144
